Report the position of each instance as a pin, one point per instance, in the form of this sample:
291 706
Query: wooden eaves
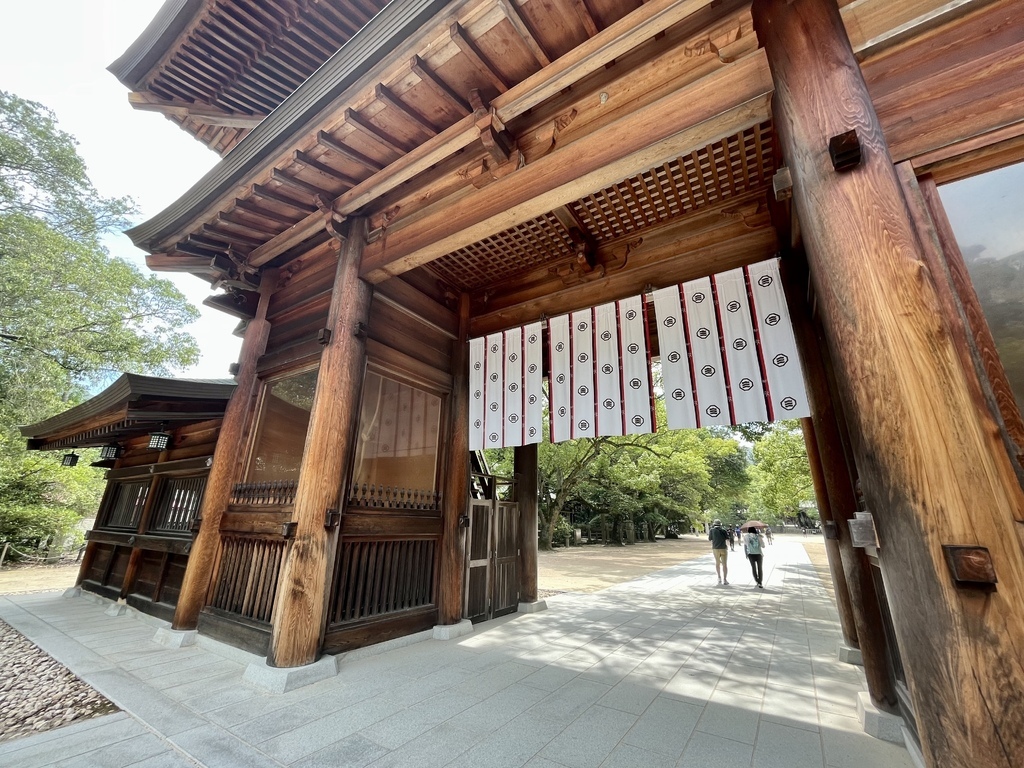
423 197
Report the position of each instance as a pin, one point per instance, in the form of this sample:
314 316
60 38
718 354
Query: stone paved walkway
665 670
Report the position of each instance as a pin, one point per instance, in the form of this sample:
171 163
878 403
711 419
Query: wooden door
492 559
478 560
505 575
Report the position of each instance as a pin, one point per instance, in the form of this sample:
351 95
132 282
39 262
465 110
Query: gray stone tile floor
666 670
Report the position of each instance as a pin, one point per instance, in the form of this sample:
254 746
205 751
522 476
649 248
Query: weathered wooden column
525 459
839 487
931 462
227 456
456 483
847 622
301 605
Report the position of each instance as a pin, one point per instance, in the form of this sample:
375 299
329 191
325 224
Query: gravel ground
37 693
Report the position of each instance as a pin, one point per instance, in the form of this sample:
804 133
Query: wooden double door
492 559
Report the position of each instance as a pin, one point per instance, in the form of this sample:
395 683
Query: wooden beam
932 465
586 16
368 129
440 88
875 24
249 206
205 113
733 99
303 186
301 607
227 459
311 162
383 93
167 262
407 299
335 146
515 18
470 51
272 194
644 23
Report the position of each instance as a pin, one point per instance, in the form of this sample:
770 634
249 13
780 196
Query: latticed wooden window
126 503
178 504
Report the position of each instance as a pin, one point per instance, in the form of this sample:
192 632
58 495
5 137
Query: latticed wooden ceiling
725 169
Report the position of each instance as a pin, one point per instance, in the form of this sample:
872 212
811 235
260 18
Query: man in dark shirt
719 539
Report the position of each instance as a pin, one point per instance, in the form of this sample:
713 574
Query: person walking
753 546
719 539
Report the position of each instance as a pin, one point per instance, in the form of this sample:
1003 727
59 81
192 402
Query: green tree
71 316
781 473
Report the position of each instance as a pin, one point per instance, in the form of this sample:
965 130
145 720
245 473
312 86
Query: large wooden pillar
301 605
526 487
932 466
230 450
847 620
838 480
456 482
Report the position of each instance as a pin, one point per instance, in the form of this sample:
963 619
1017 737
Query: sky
56 52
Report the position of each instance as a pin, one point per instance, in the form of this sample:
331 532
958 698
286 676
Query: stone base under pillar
283 679
175 638
850 655
71 592
534 607
451 631
120 608
877 723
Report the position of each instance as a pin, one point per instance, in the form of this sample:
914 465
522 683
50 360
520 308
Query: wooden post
456 487
132 569
302 598
838 480
835 560
932 466
227 457
526 477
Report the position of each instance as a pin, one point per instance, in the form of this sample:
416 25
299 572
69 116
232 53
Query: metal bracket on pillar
323 336
862 531
782 184
288 530
233 369
844 150
360 331
332 518
831 530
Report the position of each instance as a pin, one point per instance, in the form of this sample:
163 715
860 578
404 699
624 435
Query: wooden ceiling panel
515 250
709 177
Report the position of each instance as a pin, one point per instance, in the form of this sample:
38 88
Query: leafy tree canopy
781 473
71 316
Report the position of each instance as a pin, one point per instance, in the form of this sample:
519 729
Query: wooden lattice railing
380 577
271 493
386 497
248 574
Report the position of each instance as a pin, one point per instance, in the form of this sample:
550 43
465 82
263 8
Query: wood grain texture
301 607
526 488
227 458
456 478
932 469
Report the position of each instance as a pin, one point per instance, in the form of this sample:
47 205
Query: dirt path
18 580
594 567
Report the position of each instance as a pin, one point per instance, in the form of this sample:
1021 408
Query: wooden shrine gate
492 551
